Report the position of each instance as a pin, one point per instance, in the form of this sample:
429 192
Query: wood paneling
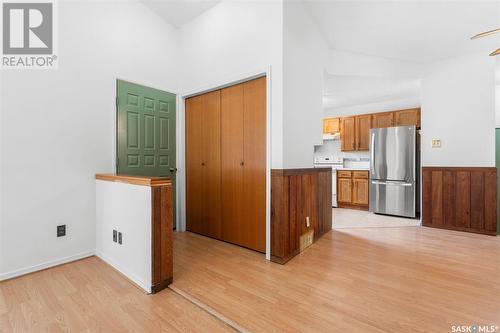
161 234
348 134
460 198
363 125
298 195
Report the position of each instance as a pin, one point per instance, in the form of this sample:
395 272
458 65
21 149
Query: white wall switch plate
436 143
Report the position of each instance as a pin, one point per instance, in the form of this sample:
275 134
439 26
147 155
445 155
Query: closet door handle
242 163
202 163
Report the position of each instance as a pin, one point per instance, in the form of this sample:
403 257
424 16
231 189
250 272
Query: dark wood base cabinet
301 202
463 199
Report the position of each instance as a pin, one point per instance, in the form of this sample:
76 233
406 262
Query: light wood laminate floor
353 280
409 279
90 296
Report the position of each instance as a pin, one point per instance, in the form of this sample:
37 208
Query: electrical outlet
120 238
61 230
436 143
115 235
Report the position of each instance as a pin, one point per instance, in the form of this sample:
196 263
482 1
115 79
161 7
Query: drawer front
360 174
344 174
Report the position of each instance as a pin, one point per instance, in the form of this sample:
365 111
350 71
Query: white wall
229 41
58 127
304 58
497 91
125 208
458 107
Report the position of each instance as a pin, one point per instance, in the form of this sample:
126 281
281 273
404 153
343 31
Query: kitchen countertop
353 169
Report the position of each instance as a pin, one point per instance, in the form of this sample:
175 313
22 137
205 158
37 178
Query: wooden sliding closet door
203 164
243 151
232 188
254 156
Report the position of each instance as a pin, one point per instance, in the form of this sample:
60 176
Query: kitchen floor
344 218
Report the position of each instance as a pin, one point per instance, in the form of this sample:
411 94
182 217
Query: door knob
173 169
242 163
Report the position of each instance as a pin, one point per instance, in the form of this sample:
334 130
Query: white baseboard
45 265
145 285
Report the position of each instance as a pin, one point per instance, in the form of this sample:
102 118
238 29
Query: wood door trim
134 180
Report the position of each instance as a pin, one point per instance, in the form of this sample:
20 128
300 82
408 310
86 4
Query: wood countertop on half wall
134 180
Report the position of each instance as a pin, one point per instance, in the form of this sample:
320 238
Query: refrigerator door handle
372 152
395 183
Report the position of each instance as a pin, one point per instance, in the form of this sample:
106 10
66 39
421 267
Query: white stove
334 162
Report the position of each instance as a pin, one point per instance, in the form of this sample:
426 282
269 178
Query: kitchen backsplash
332 147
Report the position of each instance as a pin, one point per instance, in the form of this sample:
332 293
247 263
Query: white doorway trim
181 175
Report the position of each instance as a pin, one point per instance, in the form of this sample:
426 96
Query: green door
146 131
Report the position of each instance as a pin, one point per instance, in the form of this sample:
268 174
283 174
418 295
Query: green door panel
145 131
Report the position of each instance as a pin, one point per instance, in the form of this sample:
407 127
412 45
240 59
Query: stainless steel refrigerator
394 171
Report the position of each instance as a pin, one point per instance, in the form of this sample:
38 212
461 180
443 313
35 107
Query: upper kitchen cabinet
363 125
331 125
383 119
348 134
408 117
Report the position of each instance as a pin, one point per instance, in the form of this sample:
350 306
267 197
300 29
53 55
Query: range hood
331 136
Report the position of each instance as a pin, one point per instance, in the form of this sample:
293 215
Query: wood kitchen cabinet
355 130
360 191
353 189
362 127
383 119
407 117
331 125
348 134
344 190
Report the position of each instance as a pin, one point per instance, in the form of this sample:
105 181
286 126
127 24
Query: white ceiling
420 31
180 12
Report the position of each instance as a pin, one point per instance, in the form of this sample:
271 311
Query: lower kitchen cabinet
353 189
360 191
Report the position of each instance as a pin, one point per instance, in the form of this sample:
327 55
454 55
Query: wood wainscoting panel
461 199
301 202
161 231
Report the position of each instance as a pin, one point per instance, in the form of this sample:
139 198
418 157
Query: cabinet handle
202 163
242 163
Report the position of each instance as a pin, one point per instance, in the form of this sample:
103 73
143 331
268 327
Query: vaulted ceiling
420 31
180 12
